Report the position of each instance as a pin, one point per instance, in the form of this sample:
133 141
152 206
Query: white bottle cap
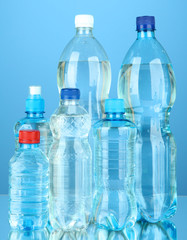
35 90
84 20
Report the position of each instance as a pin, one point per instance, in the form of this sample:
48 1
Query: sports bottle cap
29 136
84 20
35 90
34 102
114 106
145 23
70 93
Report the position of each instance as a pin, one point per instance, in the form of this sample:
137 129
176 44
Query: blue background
34 33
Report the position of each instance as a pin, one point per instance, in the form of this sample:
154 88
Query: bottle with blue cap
35 119
147 85
70 164
116 141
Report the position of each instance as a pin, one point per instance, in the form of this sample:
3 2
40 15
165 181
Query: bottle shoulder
120 130
30 123
111 123
70 121
144 51
83 48
29 156
71 110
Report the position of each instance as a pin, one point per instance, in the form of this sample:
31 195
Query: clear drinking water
70 164
35 120
115 149
28 184
84 64
147 85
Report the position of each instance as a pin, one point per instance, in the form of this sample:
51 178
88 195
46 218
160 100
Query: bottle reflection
70 235
164 230
126 234
29 235
94 233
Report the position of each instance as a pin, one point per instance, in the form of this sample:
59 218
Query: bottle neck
68 102
35 115
145 34
82 31
114 116
28 146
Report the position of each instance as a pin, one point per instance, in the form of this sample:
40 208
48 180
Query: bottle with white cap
34 119
84 65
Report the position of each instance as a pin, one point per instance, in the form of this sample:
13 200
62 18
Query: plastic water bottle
115 147
84 64
147 84
70 164
28 184
35 119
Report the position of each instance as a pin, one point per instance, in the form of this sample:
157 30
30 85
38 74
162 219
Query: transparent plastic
147 85
163 230
35 121
70 167
29 235
115 146
28 188
85 65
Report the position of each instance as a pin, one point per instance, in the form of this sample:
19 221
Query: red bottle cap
29 136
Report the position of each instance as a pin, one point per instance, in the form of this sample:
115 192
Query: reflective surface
165 230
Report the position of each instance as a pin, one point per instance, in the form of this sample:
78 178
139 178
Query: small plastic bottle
35 119
70 164
28 184
115 147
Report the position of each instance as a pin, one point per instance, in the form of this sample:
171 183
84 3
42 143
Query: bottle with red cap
35 109
28 184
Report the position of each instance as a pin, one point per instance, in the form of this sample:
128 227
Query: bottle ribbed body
70 169
28 189
147 85
115 148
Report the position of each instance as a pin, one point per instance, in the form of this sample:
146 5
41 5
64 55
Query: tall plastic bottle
115 147
28 184
84 64
147 84
70 164
35 119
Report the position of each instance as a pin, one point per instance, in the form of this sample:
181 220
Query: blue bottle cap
114 106
35 103
70 93
145 23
